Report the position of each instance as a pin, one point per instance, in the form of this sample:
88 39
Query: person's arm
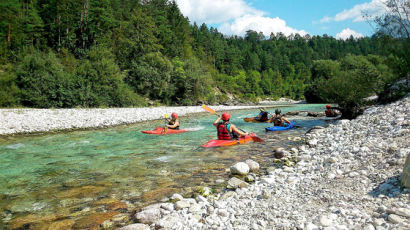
284 119
176 124
217 121
236 130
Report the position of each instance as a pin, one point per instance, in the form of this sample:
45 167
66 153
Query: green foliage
42 80
9 92
359 77
99 81
93 53
151 76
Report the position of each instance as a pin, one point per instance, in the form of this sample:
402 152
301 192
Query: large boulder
405 178
239 168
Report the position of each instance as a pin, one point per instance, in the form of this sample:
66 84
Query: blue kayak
280 128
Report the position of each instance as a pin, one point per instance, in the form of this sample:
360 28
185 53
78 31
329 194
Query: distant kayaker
278 119
226 130
174 122
330 111
263 115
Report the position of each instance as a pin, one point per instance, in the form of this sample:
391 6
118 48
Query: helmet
174 115
262 109
328 106
277 111
226 116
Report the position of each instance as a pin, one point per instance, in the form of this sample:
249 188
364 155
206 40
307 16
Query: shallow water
54 177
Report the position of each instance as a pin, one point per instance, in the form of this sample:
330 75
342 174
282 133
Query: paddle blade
165 115
257 139
208 109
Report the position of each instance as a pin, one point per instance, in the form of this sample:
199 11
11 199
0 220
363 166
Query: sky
337 18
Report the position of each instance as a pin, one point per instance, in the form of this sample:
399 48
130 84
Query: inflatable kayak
160 131
218 143
254 120
280 128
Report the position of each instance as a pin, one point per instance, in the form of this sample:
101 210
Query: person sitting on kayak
174 122
330 112
263 115
226 130
278 119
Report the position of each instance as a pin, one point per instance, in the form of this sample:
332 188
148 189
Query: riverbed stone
253 165
395 219
135 227
168 206
268 180
239 168
234 183
148 216
227 194
249 178
176 197
405 179
182 204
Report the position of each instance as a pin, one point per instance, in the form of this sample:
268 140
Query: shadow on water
391 187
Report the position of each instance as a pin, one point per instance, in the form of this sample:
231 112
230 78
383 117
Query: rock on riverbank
15 121
347 177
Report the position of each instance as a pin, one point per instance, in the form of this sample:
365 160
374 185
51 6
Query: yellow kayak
254 120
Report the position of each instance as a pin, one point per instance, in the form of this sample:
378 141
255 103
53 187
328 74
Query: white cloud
233 17
346 33
371 9
215 11
258 23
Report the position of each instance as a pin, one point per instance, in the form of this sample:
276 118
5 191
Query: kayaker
330 112
263 115
278 119
226 130
174 122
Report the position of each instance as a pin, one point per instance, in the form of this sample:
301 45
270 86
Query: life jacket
263 116
171 122
223 131
330 113
277 120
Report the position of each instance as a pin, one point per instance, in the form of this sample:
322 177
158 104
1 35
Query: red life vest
330 113
223 132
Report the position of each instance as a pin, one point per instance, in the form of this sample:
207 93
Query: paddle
165 127
254 138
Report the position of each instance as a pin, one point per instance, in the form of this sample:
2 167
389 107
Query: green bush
358 78
99 82
43 81
9 92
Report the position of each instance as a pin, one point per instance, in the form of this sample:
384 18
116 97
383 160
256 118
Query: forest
120 53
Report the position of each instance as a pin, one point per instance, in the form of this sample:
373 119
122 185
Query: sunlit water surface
59 175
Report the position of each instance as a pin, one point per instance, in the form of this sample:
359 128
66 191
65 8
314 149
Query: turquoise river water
70 176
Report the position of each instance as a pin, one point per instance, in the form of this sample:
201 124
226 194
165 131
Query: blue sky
337 18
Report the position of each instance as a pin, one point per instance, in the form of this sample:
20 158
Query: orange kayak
218 143
160 131
254 120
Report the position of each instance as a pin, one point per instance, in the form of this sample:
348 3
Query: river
70 176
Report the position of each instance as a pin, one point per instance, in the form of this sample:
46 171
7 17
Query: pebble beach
347 176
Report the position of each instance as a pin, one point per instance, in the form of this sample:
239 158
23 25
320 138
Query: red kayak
160 131
218 143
